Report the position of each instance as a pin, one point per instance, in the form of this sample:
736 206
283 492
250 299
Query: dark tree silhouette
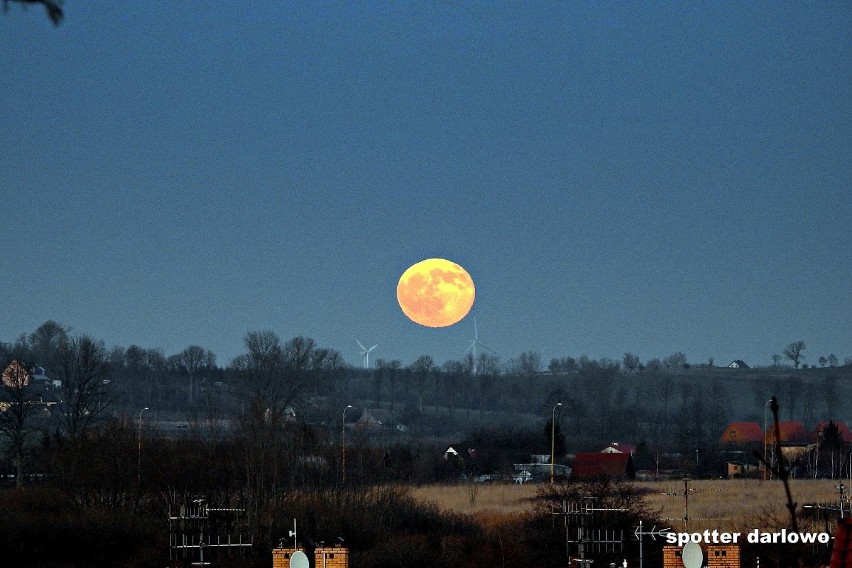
85 375
52 7
793 352
19 409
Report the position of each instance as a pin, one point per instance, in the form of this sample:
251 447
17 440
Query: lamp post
553 440
343 447
139 446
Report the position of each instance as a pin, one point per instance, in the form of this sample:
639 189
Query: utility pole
139 449
343 448
553 440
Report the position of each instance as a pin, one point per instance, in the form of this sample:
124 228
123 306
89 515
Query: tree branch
781 470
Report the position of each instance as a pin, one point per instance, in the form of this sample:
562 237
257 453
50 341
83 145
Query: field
729 505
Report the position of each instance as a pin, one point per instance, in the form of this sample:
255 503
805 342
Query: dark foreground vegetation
91 483
93 508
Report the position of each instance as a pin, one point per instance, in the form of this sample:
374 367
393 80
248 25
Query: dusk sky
614 176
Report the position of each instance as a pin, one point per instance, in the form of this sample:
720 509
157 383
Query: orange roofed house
742 433
791 433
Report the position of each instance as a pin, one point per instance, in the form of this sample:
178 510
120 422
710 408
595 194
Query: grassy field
729 505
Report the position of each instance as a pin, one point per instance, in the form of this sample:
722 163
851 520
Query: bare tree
832 360
334 367
793 352
18 409
830 395
134 357
276 376
421 370
393 368
489 368
452 372
792 388
85 376
529 363
776 360
263 415
325 364
675 361
379 379
631 361
562 365
45 341
193 359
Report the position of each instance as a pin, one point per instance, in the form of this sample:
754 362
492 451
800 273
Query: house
459 451
842 428
739 469
738 364
791 433
616 448
538 468
375 419
742 433
597 464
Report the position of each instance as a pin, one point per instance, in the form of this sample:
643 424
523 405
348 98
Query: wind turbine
473 344
365 352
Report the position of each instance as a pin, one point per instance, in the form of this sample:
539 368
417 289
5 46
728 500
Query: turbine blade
373 347
361 345
488 348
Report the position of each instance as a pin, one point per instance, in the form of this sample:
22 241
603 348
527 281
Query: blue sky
615 176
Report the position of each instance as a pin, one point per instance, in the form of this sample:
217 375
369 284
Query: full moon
435 292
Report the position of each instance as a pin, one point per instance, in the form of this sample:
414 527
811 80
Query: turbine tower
473 345
365 352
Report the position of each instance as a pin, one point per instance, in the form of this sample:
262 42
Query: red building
592 465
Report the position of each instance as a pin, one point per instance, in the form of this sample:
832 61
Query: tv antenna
293 534
196 529
473 345
365 352
653 533
588 538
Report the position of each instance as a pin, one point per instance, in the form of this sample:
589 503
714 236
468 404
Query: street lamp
343 446
553 440
139 442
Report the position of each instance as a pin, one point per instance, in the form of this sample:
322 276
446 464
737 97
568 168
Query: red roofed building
742 433
845 433
592 465
791 432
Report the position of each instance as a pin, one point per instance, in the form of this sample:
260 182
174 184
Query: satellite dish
692 555
299 560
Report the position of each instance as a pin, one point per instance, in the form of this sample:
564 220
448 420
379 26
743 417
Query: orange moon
435 292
